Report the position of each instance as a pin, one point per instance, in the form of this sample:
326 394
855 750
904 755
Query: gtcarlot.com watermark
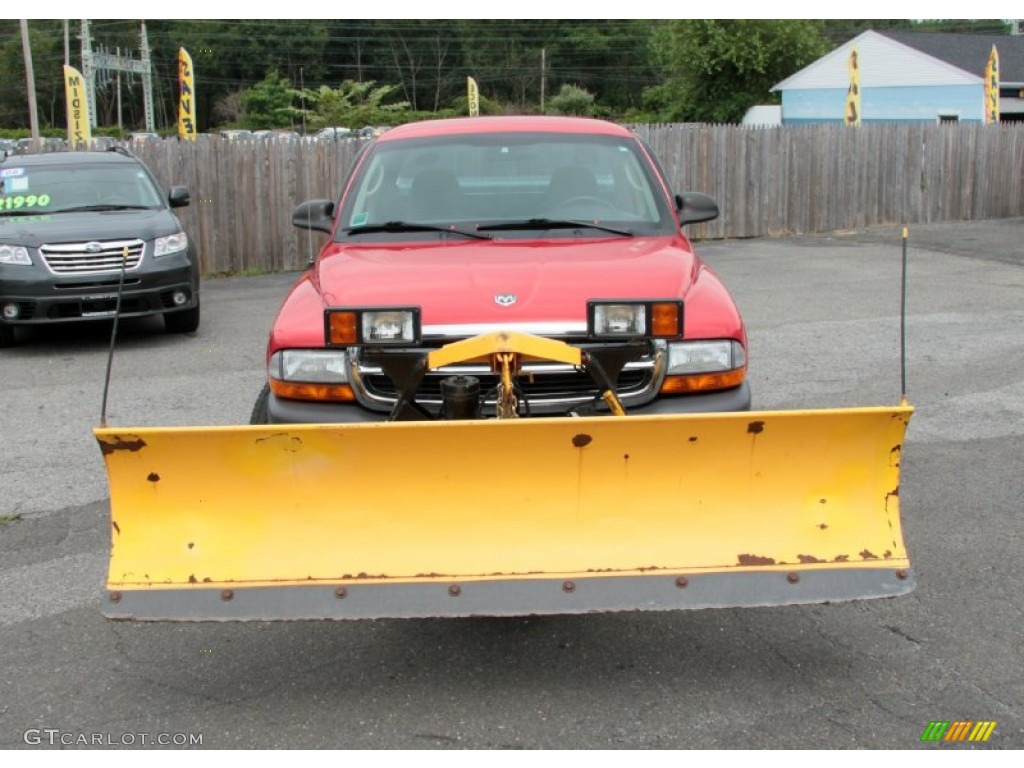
54 737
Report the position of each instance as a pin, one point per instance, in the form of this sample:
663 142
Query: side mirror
315 215
179 197
694 207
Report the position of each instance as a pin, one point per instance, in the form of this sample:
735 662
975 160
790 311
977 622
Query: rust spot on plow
153 477
866 555
192 579
693 439
887 554
119 443
116 526
841 559
755 427
581 440
808 559
823 526
755 559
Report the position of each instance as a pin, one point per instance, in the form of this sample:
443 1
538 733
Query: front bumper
283 411
43 298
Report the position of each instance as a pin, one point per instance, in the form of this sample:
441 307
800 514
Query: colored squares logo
958 730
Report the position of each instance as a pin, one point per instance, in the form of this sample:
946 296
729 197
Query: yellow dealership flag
992 87
186 97
852 115
474 97
79 132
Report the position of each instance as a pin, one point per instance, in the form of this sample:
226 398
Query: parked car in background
7 147
73 223
102 143
236 134
143 136
339 132
277 134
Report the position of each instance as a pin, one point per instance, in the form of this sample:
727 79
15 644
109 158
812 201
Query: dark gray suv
71 221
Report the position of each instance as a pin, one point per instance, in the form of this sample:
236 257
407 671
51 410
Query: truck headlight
376 326
704 366
319 375
634 319
14 254
705 356
164 246
315 366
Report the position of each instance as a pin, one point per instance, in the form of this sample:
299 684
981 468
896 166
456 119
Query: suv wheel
185 321
6 335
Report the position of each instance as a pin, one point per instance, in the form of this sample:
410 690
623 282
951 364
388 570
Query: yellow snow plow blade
505 517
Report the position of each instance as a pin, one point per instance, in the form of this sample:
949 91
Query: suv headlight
14 254
164 246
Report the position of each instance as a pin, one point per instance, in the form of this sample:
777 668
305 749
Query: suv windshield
513 183
64 188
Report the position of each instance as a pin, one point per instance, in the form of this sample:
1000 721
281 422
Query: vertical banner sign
852 115
992 87
186 97
474 97
79 133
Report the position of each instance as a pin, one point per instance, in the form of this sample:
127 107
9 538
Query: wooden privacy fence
773 181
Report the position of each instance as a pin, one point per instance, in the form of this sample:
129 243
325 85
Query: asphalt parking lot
822 313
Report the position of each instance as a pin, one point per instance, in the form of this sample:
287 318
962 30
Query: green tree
717 69
572 100
354 105
270 104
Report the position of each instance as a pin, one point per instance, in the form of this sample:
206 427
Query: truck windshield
508 179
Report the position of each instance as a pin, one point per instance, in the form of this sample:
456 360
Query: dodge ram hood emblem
504 299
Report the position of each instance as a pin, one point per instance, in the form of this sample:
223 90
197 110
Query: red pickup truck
563 228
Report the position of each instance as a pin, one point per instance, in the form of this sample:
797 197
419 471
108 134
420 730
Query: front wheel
185 321
261 410
6 335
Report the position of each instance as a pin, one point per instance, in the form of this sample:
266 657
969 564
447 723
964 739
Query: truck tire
6 335
260 411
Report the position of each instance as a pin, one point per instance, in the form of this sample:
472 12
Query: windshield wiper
410 226
103 207
553 224
27 212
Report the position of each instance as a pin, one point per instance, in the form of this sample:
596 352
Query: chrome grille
550 388
92 258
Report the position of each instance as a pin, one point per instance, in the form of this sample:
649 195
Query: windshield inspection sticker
360 219
16 184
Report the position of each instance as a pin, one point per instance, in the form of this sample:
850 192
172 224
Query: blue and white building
908 76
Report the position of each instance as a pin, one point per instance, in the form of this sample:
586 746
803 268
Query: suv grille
93 257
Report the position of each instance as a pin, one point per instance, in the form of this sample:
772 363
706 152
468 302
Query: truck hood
33 231
506 282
